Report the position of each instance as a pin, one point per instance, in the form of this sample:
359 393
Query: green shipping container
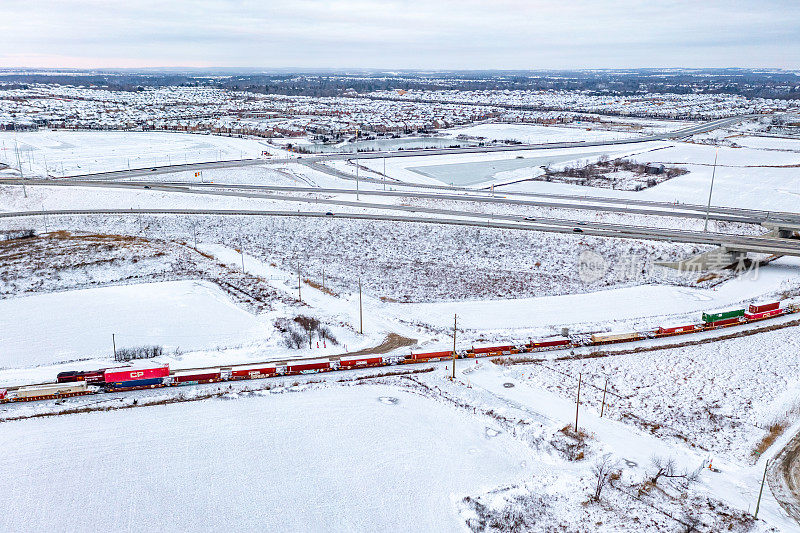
713 317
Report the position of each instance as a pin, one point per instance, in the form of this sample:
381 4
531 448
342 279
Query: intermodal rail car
52 391
78 382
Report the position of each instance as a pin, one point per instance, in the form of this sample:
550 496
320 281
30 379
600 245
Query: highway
576 202
757 244
150 171
760 244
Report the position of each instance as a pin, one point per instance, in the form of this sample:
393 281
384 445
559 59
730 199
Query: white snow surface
322 460
59 153
48 328
606 306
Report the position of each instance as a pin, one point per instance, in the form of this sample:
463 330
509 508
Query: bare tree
690 523
665 468
603 469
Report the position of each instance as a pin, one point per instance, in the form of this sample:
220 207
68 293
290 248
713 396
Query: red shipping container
253 372
3 393
764 314
483 350
350 362
761 308
94 377
504 348
431 355
544 343
198 376
726 322
307 366
676 329
493 349
114 375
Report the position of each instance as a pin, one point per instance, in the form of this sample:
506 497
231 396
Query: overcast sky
395 34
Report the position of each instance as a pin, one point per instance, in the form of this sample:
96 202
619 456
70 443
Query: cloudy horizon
398 34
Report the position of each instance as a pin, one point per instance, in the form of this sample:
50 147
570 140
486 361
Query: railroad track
421 358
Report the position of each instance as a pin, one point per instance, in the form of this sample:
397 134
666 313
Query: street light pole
455 323
19 164
356 178
711 190
360 310
764 477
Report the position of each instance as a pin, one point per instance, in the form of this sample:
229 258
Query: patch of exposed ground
391 342
61 261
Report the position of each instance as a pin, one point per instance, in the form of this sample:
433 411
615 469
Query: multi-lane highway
758 244
548 200
732 242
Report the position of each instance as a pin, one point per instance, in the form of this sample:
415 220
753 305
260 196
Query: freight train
77 383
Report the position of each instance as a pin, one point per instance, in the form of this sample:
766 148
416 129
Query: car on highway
329 214
146 186
153 169
577 230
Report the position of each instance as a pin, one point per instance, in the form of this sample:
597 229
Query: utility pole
764 477
356 178
19 164
713 173
603 406
323 277
299 283
578 403
114 343
360 310
455 324
194 231
384 173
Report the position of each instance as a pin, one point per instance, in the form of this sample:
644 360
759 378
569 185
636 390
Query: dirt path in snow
391 342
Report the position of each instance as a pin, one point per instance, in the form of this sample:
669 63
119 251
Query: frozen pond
376 145
480 171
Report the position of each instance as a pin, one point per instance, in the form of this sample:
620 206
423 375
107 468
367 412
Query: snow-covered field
720 397
383 454
50 328
608 309
60 153
745 177
347 459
